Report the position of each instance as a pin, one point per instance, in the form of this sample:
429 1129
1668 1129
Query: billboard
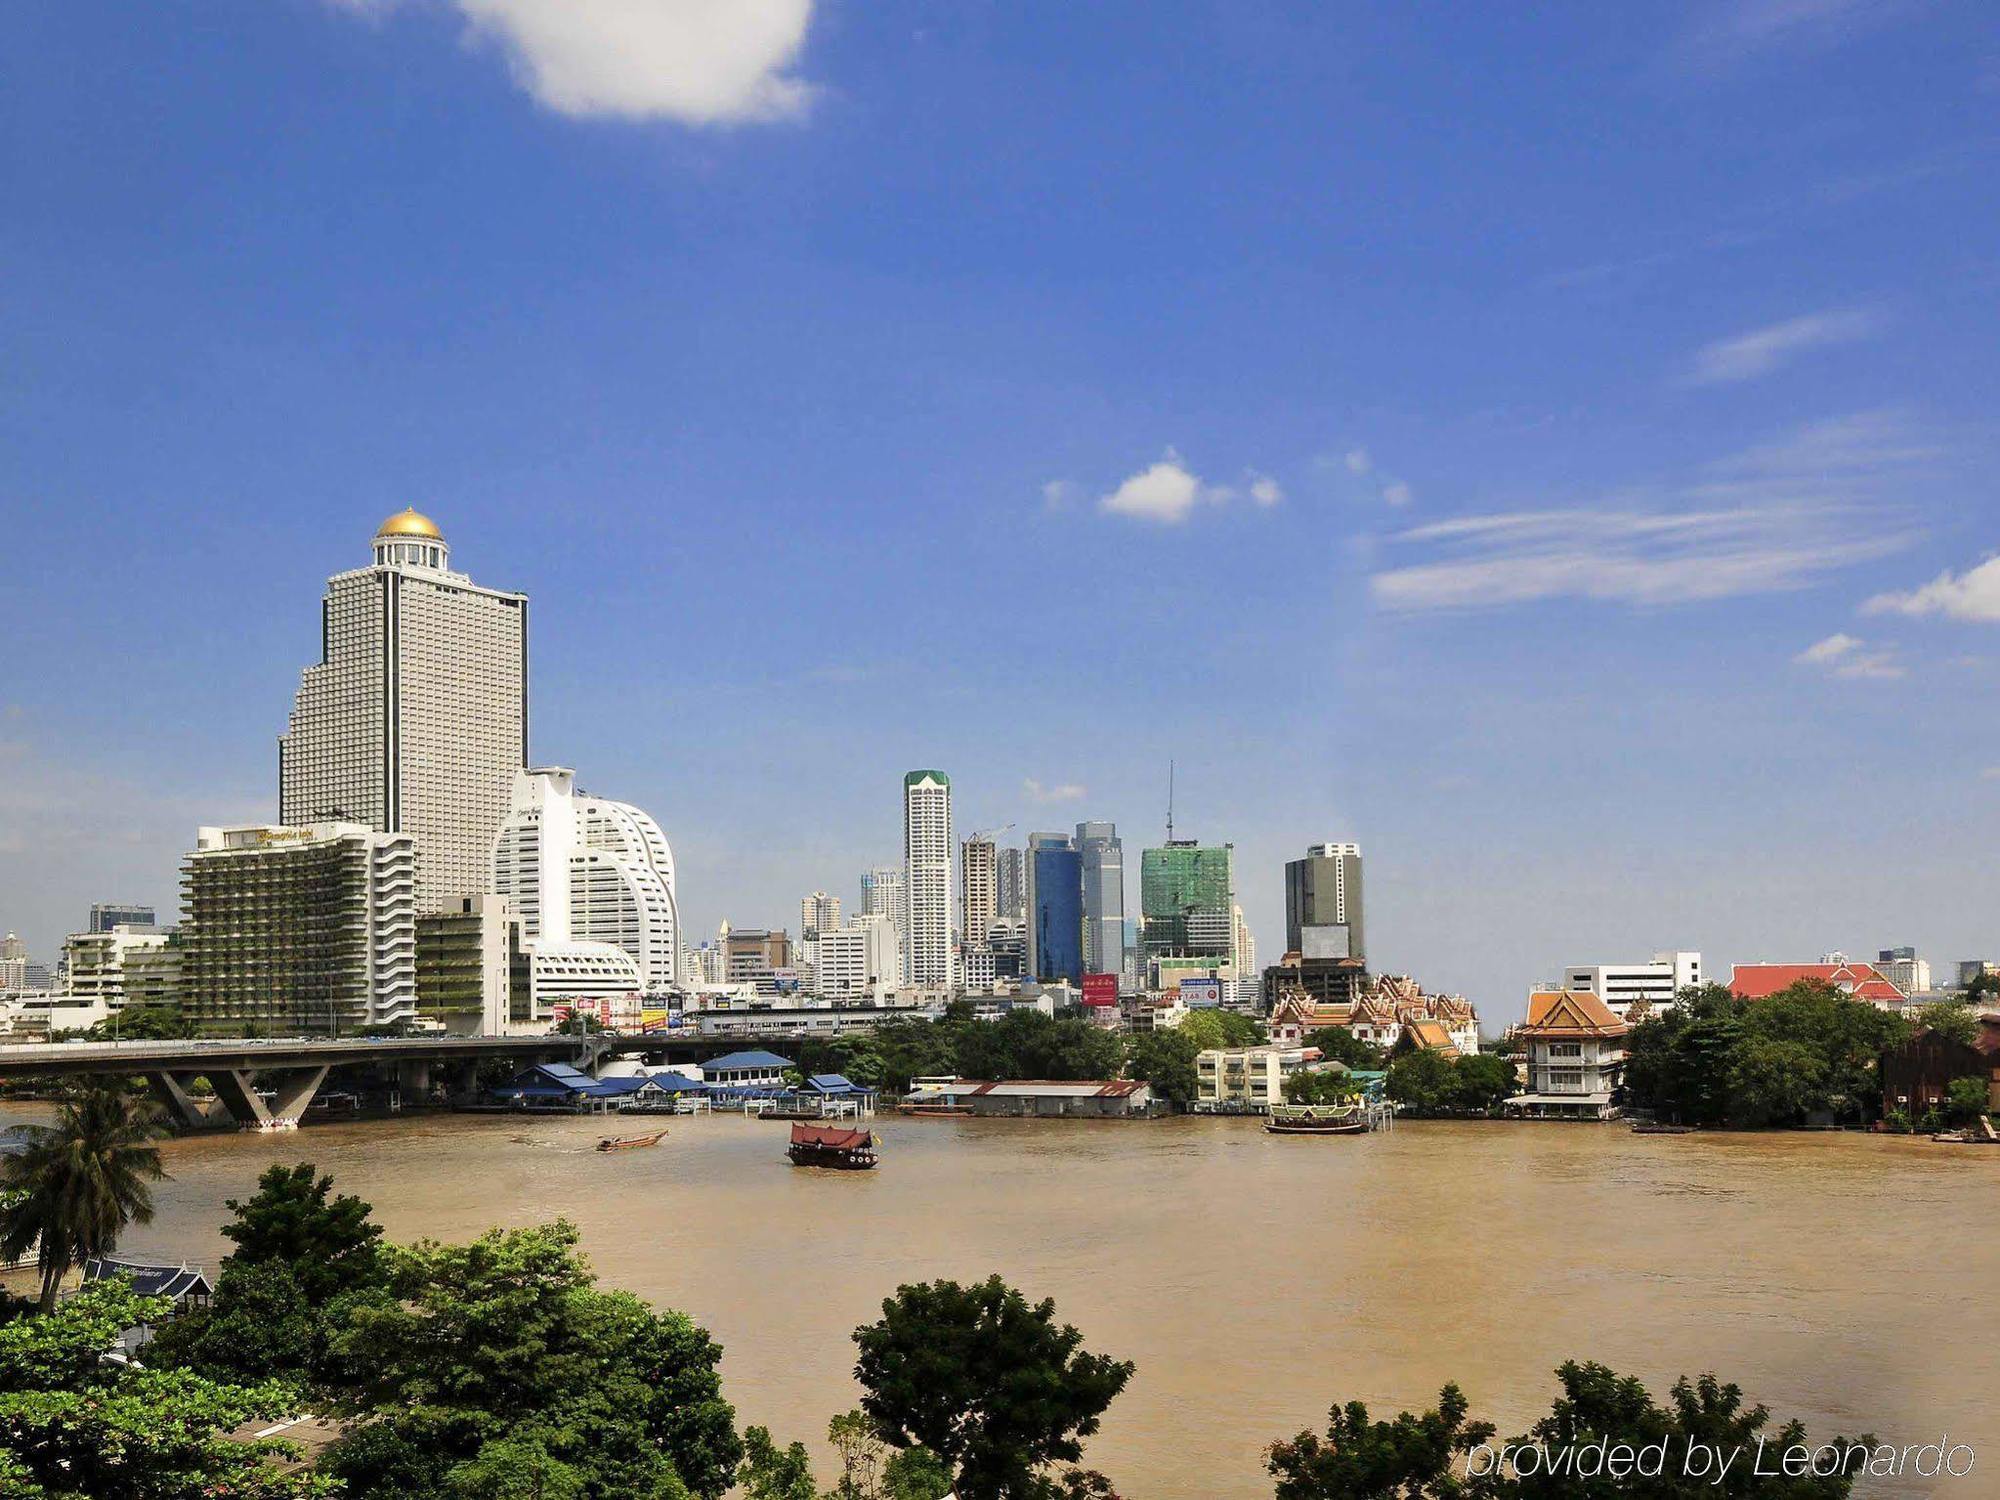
1100 989
1201 991
1330 940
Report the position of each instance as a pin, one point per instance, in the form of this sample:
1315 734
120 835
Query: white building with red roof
1856 980
1576 1057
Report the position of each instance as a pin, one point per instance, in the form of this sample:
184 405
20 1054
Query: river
1255 1280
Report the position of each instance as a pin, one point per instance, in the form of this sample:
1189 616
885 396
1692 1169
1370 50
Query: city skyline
1531 502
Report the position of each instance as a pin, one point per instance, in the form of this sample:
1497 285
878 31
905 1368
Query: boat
631 1142
832 1146
934 1111
1655 1127
1318 1119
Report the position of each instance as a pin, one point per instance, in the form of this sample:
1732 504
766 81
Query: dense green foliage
1966 1100
1439 1455
1425 1082
329 1242
1166 1060
1340 1045
987 1381
869 1470
1321 1086
74 1426
1022 1044
79 1183
142 1023
486 1365
1717 1059
1951 1019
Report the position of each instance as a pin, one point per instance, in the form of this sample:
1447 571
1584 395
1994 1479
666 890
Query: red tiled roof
1862 981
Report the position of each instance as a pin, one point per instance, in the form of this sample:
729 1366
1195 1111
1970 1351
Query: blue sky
1555 449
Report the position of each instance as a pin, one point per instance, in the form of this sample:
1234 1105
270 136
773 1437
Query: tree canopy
987 1381
1341 1045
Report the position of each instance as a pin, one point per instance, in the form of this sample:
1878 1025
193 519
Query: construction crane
988 834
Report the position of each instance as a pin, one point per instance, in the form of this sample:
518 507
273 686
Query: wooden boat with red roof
835 1146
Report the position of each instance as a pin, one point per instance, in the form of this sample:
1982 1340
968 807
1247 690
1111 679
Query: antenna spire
1170 800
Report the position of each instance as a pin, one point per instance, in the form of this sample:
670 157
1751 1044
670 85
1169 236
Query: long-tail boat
833 1146
631 1142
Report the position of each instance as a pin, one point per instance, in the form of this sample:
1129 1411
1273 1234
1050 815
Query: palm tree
79 1183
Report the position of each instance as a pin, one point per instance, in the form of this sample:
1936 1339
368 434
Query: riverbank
1255 1279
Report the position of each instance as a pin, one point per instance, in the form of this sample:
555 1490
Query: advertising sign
1100 989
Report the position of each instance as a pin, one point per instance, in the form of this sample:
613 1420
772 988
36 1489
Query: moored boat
1656 1127
631 1142
832 1146
1319 1119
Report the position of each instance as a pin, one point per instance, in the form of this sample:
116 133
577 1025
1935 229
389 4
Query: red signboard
1100 989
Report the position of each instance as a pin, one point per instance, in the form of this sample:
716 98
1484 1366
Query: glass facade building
1055 917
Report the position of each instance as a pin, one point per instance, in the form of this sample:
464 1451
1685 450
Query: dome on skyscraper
410 522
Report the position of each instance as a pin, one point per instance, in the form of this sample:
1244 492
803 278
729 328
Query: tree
1166 1060
73 1424
1421 1081
1480 1082
1210 1029
1966 1099
773 1473
329 1243
1338 1044
1984 989
508 1341
80 1182
1774 1082
149 1023
1677 1064
1950 1020
986 1381
869 1472
1407 1458
1321 1086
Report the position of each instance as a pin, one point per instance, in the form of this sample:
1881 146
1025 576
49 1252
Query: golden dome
410 523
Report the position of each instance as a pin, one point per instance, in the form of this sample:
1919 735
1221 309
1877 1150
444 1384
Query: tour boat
1657 1127
631 1142
1317 1119
832 1146
917 1111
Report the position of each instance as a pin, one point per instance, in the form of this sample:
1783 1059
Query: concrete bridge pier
236 1096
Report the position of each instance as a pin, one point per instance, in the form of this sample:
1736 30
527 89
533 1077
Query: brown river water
1254 1279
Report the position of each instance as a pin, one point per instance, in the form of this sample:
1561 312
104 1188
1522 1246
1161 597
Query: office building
105 915
578 868
415 718
98 962
1010 885
927 851
1187 902
1323 903
1103 860
761 957
858 960
1656 982
299 931
1055 908
1007 941
818 913
1902 968
978 889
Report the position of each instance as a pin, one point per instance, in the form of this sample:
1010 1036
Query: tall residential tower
415 718
927 877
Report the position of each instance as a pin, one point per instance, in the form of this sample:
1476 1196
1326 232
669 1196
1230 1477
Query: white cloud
1066 791
1168 492
1396 492
1846 656
1762 350
1740 29
1058 493
703 62
1990 773
1972 595
1358 461
1623 556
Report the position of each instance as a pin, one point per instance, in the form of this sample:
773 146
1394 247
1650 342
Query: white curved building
584 868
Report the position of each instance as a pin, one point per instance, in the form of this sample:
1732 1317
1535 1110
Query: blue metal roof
830 1083
758 1061
611 1087
675 1083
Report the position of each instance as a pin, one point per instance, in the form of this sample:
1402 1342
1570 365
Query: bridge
291 1070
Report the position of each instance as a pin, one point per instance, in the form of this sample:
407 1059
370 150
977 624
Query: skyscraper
927 848
585 869
1055 908
883 894
1010 886
977 889
415 718
1323 903
1187 909
105 915
1103 897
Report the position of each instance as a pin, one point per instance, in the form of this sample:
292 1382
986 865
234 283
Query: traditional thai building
1575 1048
